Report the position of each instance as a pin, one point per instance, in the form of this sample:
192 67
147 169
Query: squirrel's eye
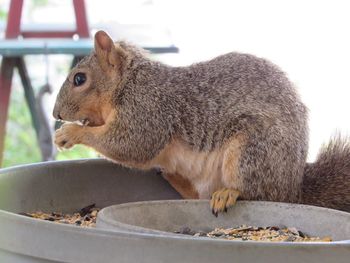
79 79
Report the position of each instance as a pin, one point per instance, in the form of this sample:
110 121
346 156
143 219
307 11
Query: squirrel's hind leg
226 197
223 199
182 185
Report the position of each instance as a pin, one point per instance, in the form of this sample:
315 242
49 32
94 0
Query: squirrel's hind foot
223 199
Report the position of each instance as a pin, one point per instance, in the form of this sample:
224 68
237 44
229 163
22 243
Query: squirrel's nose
56 113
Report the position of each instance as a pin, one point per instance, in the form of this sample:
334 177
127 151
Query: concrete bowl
70 185
166 217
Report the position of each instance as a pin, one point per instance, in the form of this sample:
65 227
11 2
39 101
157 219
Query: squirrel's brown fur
326 182
234 122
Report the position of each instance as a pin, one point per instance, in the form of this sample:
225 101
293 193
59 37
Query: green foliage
37 3
79 151
3 15
20 141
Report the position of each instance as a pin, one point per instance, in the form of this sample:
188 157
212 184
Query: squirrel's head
86 94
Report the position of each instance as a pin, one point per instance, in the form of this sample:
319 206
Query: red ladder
13 31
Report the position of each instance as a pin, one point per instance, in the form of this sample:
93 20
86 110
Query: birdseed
252 233
86 217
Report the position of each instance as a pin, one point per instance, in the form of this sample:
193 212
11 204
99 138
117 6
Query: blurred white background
309 40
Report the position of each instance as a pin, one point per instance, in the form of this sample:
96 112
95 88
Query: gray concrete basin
70 185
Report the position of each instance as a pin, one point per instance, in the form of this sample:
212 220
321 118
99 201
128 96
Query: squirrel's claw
223 199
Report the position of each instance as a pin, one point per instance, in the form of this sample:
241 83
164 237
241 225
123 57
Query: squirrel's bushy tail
327 181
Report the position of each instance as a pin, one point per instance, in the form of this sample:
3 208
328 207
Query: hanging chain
47 65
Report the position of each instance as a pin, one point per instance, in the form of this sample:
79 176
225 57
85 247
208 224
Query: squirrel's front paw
223 199
68 135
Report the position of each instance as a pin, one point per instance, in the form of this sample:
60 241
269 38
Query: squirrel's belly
202 169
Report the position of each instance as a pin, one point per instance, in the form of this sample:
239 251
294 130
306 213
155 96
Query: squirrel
232 127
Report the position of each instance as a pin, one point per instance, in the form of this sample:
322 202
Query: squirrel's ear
107 55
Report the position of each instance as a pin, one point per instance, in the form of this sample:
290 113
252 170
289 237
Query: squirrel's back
209 101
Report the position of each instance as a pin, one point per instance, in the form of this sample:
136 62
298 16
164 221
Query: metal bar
81 18
28 92
14 19
162 50
11 48
6 74
81 47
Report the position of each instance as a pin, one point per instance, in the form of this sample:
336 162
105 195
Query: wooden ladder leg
28 92
30 97
6 73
